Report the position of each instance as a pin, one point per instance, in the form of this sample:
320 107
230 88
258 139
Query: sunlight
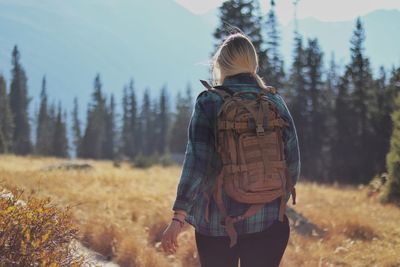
199 7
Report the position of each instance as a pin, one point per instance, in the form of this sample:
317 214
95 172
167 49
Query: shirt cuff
181 205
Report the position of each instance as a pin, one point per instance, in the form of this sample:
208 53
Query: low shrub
358 231
144 162
166 160
378 185
35 232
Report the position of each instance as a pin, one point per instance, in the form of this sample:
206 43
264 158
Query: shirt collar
241 78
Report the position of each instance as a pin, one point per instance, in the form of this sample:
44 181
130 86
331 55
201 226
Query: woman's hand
169 240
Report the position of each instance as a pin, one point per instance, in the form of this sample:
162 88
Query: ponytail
259 80
235 55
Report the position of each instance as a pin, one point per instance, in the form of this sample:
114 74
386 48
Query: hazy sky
326 10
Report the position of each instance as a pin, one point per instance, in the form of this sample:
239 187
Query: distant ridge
70 41
382 38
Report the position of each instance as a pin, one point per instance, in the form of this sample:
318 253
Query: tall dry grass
123 211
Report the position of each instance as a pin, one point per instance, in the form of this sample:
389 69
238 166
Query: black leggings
262 249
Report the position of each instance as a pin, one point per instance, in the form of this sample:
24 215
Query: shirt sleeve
198 154
291 145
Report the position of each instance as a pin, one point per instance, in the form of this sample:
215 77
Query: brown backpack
250 143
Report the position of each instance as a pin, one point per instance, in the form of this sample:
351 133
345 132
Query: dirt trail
93 258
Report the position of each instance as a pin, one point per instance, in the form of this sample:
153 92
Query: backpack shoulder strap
226 89
206 84
224 92
270 89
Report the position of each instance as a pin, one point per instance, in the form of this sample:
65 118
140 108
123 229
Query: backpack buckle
260 129
227 125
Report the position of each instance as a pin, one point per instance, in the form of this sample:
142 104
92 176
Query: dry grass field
122 212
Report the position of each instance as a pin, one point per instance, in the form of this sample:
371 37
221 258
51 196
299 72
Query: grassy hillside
122 213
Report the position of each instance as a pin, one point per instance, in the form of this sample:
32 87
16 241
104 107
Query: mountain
155 42
382 39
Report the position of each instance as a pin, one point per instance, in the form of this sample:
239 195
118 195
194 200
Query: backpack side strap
228 221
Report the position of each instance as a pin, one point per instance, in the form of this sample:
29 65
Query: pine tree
343 148
131 124
133 119
154 133
314 110
110 131
179 136
139 136
43 132
6 120
331 83
393 87
360 75
276 74
380 110
76 129
126 138
163 122
393 157
19 102
60 141
361 83
93 138
147 131
52 112
243 16
297 96
329 96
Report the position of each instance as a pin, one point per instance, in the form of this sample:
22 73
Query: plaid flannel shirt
202 164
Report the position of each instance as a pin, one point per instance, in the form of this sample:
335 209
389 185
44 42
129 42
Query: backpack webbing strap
260 133
228 125
257 116
249 109
260 121
233 153
218 195
231 124
228 221
230 136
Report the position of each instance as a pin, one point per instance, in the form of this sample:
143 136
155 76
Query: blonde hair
235 55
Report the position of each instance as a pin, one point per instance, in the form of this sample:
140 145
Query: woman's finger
173 248
175 241
165 242
164 245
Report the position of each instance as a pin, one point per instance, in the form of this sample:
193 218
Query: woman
262 238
